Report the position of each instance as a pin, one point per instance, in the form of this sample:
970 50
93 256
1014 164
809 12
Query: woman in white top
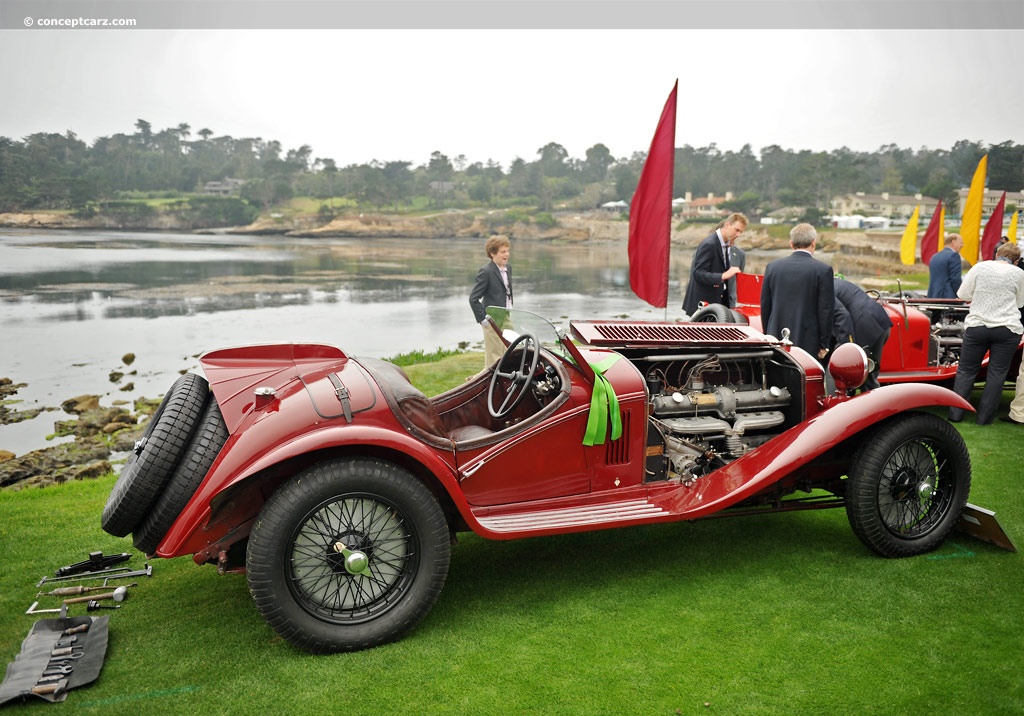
996 292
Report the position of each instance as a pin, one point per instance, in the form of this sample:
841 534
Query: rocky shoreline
102 436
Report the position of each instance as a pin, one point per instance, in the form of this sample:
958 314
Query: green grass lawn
774 614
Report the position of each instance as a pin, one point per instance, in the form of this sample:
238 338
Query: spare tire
156 455
207 440
712 313
737 317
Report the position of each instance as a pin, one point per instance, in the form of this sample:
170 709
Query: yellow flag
1012 233
908 243
970 214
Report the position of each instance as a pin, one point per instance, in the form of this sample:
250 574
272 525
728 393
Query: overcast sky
360 95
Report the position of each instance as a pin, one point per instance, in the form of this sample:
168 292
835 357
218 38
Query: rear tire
348 555
156 454
908 484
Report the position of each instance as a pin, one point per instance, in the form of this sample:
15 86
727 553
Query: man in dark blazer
493 287
798 293
871 324
945 270
710 272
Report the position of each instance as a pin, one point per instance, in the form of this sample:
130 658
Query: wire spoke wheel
908 483
915 488
328 582
347 555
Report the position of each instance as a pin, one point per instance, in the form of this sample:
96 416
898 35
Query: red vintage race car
924 342
339 488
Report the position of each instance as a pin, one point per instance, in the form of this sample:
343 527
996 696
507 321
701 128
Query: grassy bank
776 614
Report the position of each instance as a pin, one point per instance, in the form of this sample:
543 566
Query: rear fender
212 512
233 373
800 445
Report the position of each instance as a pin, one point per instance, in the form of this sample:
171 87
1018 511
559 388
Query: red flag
993 231
932 235
650 213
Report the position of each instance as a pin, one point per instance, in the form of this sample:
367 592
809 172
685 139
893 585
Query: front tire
908 484
350 554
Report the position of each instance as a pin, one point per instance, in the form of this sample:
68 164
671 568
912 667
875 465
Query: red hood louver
613 334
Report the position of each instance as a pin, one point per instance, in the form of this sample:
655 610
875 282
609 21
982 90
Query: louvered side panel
617 452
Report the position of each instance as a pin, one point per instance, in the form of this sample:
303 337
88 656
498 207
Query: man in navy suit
710 272
798 293
871 324
493 287
945 269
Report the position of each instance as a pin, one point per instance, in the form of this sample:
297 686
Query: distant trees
60 171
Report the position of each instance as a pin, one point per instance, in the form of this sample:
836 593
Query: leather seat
414 409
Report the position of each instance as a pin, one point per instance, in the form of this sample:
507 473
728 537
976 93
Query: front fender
801 444
193 531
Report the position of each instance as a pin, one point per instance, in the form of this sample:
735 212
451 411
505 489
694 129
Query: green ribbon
604 406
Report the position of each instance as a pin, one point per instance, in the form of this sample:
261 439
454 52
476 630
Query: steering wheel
519 377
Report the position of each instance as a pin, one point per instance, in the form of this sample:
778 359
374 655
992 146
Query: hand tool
32 610
77 629
97 560
118 595
147 571
68 652
62 661
51 670
100 574
68 591
93 605
50 688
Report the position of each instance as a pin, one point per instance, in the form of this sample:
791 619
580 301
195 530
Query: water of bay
73 304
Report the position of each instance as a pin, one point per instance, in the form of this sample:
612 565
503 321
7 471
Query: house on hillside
884 204
224 187
991 199
703 208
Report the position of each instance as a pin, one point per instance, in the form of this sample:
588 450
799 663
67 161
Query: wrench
51 670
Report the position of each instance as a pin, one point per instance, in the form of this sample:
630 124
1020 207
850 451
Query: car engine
709 409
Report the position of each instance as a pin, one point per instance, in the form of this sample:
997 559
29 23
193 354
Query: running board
542 520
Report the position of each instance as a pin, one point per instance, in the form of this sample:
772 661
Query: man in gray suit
493 287
798 293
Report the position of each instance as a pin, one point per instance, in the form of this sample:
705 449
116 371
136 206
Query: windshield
514 323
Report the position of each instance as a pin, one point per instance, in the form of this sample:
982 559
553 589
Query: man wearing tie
710 272
493 287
